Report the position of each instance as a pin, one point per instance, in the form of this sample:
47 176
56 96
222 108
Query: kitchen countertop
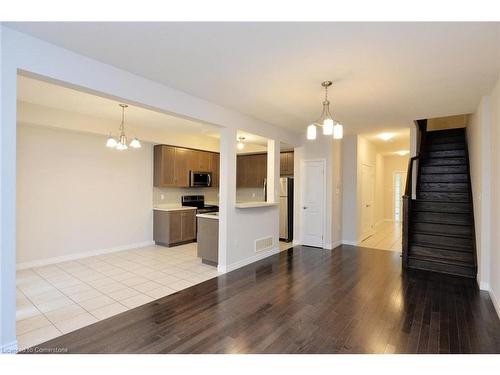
172 207
214 216
255 204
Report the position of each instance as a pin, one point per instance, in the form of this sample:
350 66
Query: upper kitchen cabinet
251 170
286 163
199 161
214 168
164 166
172 165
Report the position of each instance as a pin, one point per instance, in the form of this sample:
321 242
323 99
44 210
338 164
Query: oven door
200 179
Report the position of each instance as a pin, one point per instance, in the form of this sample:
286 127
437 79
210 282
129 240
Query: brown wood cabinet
173 164
286 163
251 170
174 227
215 168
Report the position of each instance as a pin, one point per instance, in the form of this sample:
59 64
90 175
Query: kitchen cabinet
174 227
214 168
173 164
208 240
251 170
286 164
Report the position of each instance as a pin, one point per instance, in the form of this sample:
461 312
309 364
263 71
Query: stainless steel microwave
200 179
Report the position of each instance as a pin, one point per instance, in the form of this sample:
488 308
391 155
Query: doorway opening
381 170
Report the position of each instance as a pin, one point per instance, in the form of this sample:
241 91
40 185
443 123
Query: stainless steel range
198 201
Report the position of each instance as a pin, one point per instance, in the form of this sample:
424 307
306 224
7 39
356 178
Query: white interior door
313 202
367 197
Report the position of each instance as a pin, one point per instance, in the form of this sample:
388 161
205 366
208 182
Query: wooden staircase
438 226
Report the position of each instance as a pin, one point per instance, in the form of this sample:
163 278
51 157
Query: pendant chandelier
326 121
121 143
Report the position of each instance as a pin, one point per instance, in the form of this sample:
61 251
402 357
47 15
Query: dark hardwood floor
306 300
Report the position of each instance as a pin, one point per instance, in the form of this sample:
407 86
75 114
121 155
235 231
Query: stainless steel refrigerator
286 209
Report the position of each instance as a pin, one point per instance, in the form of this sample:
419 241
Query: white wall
349 189
483 133
75 196
23 52
495 196
479 145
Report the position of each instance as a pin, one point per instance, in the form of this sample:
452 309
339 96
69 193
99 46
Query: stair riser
441 218
446 146
457 132
446 255
444 169
443 196
446 229
444 187
454 243
442 207
445 154
448 139
442 268
444 178
444 161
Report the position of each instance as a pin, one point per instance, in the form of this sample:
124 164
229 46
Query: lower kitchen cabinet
172 228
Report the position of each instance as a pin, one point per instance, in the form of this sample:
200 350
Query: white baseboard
10 348
483 285
85 254
495 301
258 256
332 245
352 243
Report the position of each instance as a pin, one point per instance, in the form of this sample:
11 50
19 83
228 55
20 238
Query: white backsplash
250 195
173 195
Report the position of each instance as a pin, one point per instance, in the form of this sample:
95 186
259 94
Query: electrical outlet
253 195
162 196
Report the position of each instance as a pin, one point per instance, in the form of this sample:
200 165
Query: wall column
273 171
8 74
227 194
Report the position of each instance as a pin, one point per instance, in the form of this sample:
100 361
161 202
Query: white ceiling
46 94
399 141
384 74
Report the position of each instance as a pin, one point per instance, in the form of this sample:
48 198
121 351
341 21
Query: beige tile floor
387 236
59 298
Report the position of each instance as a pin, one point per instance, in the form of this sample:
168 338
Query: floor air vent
263 243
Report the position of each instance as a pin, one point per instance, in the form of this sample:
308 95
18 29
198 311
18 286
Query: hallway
387 236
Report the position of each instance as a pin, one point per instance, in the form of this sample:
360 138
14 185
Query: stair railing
408 194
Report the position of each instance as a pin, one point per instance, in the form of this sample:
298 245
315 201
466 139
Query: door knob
305 208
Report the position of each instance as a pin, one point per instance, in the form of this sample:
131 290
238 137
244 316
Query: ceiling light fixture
240 145
121 143
385 136
326 121
403 152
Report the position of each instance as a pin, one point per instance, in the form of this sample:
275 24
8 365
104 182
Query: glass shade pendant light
311 132
121 143
326 121
111 142
240 145
135 143
338 131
